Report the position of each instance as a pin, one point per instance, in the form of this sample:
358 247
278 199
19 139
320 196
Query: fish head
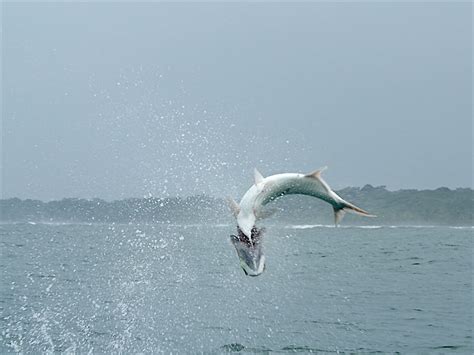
246 224
250 251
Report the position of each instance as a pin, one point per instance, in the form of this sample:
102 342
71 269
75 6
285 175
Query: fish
248 241
250 251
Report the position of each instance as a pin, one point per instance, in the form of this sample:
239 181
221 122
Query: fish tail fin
339 212
349 207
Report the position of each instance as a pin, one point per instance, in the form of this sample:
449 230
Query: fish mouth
250 251
253 272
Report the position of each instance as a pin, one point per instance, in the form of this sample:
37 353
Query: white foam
309 226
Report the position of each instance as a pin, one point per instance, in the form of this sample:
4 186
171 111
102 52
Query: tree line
442 206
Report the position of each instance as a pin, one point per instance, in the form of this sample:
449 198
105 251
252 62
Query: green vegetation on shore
442 206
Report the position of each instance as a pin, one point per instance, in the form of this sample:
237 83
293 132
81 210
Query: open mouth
254 273
249 251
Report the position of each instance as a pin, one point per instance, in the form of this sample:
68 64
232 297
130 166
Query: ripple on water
139 295
306 349
236 347
446 347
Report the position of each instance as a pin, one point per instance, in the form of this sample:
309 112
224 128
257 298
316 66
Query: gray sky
115 100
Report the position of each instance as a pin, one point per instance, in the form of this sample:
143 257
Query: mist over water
179 288
116 100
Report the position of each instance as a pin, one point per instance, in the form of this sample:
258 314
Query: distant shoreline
439 207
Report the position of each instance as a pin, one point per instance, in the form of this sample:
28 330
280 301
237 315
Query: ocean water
179 289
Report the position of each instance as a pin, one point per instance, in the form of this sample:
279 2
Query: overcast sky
115 100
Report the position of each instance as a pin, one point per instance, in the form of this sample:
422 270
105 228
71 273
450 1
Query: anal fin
338 215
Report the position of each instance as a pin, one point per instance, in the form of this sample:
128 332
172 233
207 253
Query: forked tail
340 211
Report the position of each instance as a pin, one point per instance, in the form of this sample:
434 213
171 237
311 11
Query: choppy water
165 288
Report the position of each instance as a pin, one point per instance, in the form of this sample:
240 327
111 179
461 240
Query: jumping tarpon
250 209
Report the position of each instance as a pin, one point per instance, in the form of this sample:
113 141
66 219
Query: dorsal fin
317 173
258 178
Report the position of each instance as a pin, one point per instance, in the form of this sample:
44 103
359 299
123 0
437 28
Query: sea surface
78 288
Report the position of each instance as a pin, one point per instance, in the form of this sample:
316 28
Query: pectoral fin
234 206
267 213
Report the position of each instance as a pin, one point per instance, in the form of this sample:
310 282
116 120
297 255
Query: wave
312 226
227 225
34 223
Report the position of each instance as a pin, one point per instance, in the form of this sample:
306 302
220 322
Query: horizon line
366 187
